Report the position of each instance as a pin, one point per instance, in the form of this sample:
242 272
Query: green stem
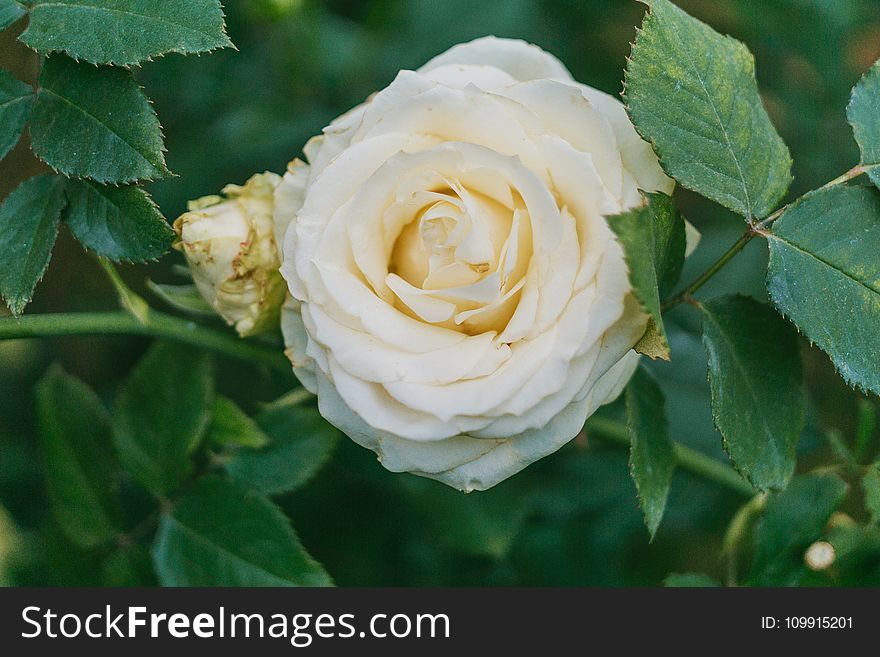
686 458
128 299
153 324
740 527
293 398
686 294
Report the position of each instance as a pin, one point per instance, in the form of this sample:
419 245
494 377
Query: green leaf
120 223
161 415
28 227
95 122
692 93
185 298
863 113
231 426
793 520
824 275
125 32
10 11
670 241
302 441
221 534
78 459
871 486
16 98
689 580
756 380
651 457
653 239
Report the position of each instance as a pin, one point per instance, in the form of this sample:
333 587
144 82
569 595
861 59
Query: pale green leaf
10 11
29 220
231 426
793 520
692 93
221 534
16 99
78 459
95 122
670 241
185 298
301 442
653 241
756 381
161 415
863 113
651 457
125 32
120 223
824 275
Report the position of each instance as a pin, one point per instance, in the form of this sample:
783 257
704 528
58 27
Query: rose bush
457 301
423 236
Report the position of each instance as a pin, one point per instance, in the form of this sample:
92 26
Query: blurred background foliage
571 519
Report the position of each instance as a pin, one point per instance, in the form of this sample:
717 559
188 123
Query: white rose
458 302
231 250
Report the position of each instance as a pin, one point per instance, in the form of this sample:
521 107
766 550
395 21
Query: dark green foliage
95 122
757 387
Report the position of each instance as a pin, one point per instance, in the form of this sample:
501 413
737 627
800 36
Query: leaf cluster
209 467
91 122
691 92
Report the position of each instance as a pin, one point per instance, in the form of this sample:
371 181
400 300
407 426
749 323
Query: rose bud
230 246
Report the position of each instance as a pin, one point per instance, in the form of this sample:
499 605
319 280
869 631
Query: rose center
459 261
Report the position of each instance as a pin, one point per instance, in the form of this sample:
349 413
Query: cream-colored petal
372 402
458 115
520 60
427 306
289 196
567 115
395 453
478 396
638 156
296 340
512 455
459 76
367 358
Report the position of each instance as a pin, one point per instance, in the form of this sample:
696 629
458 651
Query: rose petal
519 59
